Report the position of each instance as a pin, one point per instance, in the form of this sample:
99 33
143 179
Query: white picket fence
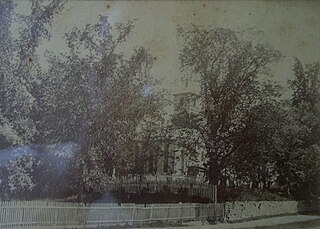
40 214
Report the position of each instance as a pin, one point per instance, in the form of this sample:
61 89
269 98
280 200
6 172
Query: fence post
215 193
196 212
55 216
21 217
151 212
117 217
81 216
132 218
168 214
181 211
223 212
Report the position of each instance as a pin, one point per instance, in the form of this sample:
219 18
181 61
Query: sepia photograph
159 114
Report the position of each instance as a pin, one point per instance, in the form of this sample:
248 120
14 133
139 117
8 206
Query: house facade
175 161
188 164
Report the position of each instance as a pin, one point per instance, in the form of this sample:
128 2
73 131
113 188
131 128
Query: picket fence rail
41 214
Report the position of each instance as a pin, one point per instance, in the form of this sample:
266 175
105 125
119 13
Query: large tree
91 94
97 97
230 71
298 166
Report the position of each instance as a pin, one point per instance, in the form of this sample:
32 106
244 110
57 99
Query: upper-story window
185 101
182 102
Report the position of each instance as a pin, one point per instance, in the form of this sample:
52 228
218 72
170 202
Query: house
176 161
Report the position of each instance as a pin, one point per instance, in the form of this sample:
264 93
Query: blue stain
55 152
13 152
147 90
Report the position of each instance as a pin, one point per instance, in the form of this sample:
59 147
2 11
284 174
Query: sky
292 27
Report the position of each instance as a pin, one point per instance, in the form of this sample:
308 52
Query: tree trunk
214 171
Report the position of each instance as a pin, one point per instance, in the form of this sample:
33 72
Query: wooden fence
40 214
192 189
154 184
